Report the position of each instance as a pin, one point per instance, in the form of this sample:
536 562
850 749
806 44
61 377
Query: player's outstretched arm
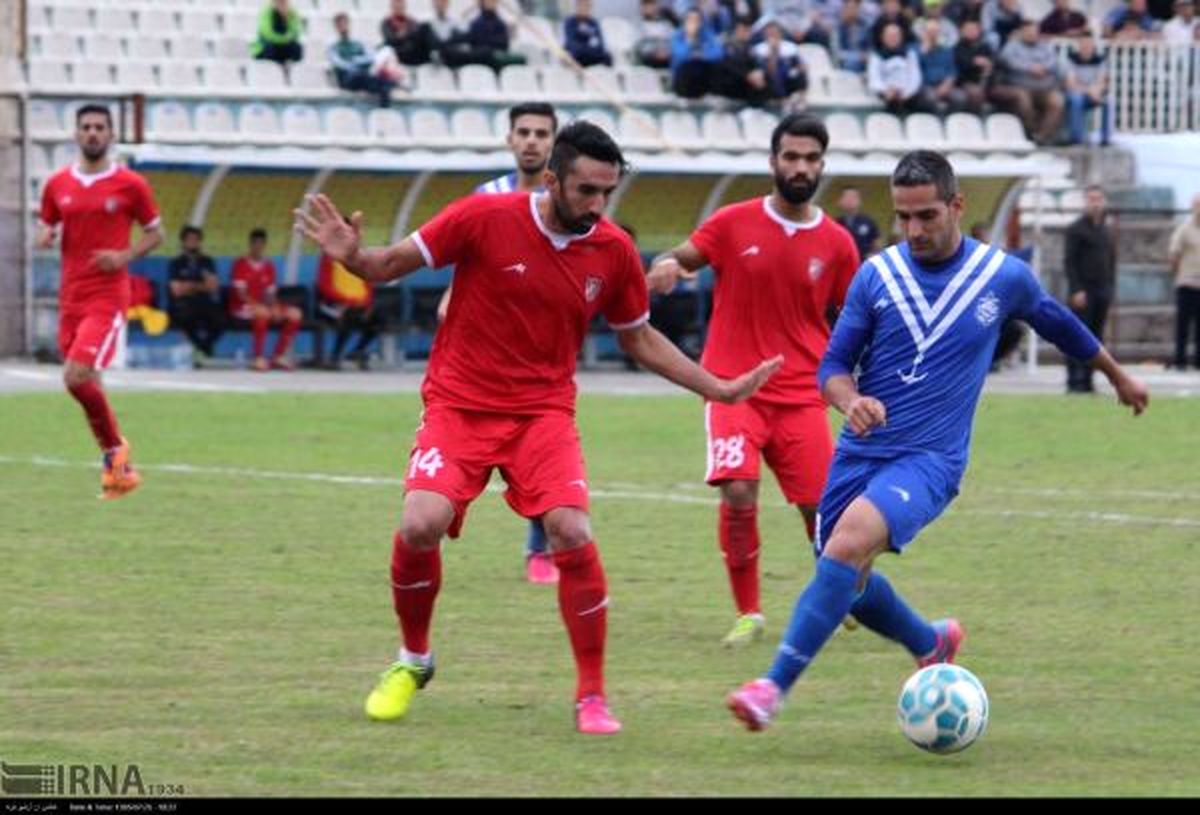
670 267
863 413
654 351
341 239
1130 391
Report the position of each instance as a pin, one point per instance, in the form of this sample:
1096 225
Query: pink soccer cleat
950 636
756 703
592 716
540 568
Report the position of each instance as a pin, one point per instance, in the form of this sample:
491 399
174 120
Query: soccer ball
942 708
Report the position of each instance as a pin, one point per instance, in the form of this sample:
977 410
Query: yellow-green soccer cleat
392 696
748 628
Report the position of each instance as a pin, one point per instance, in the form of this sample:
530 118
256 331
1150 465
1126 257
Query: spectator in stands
1090 262
447 39
1001 18
933 14
891 13
346 301
194 301
852 40
738 75
279 30
894 72
1184 27
822 22
974 62
939 92
1131 22
1087 88
654 31
861 227
487 40
582 37
1184 257
408 39
783 68
1032 84
1063 21
695 51
253 298
959 11
355 69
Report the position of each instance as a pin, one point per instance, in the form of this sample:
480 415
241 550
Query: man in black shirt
192 278
861 227
1091 266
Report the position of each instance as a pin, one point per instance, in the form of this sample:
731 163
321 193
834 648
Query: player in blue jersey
906 364
531 129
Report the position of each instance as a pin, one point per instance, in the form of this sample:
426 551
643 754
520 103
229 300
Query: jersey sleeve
1050 318
708 237
628 305
449 237
847 261
49 214
145 208
852 331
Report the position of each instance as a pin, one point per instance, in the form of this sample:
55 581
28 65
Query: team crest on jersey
815 267
987 309
591 288
111 205
65 201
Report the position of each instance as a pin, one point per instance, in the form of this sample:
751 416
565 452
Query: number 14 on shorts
426 461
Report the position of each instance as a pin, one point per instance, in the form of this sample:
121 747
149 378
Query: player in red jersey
253 299
781 265
531 270
95 202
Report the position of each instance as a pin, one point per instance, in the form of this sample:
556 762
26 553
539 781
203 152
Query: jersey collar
88 180
559 240
791 227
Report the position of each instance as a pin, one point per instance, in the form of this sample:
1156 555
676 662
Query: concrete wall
12 194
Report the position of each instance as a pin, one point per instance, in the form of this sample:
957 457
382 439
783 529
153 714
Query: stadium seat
136 77
311 80
259 122
639 130
181 77
849 90
56 45
500 122
169 121
1004 131
223 77
520 82
146 47
884 131
720 130
470 128
924 129
964 131
601 82
70 18
681 131
601 118
561 85
156 22
197 22
537 31
103 47
345 127
435 83
816 60
50 76
228 47
388 126
114 20
429 127
44 121
477 83
845 131
302 124
240 23
189 47
619 37
644 85
96 77
757 126
265 77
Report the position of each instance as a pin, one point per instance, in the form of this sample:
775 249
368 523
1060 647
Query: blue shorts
909 491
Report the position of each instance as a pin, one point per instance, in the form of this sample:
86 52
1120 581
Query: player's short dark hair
189 229
799 124
257 234
921 167
1094 188
532 109
582 138
101 110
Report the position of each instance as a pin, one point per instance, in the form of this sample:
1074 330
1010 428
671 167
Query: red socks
286 332
91 398
738 535
583 602
416 578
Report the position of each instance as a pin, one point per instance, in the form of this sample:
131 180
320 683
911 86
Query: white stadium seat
182 77
883 131
388 126
259 122
265 76
49 75
44 121
639 130
71 19
602 82
619 36
169 121
146 47
228 47
757 126
561 84
520 82
435 82
924 129
477 82
643 84
93 76
302 124
114 20
311 79
470 128
137 77
157 22
681 130
601 118
214 122
103 47
721 131
345 127
1004 131
56 45
849 89
845 131
429 127
223 76
189 46
964 131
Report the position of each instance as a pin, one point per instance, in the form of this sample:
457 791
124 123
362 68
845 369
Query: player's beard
796 192
93 151
574 225
531 166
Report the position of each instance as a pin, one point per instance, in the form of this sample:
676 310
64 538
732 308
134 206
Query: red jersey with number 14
96 212
775 281
524 298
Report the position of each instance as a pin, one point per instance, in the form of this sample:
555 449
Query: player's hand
328 228
110 260
45 238
1133 393
1078 300
735 390
444 304
866 413
665 274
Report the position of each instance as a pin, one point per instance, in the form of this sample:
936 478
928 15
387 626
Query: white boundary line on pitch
635 494
115 380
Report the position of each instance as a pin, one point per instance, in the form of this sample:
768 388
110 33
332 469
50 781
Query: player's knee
739 494
422 530
568 531
76 375
850 546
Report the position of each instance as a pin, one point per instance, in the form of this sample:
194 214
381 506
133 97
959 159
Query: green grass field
221 629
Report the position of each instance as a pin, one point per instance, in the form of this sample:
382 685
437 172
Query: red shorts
539 457
89 337
795 440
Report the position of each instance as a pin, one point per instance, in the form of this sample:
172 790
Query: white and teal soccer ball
943 708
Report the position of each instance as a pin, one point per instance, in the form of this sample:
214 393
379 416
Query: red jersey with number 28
524 298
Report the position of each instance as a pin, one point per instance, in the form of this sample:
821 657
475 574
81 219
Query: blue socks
883 611
820 609
535 544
